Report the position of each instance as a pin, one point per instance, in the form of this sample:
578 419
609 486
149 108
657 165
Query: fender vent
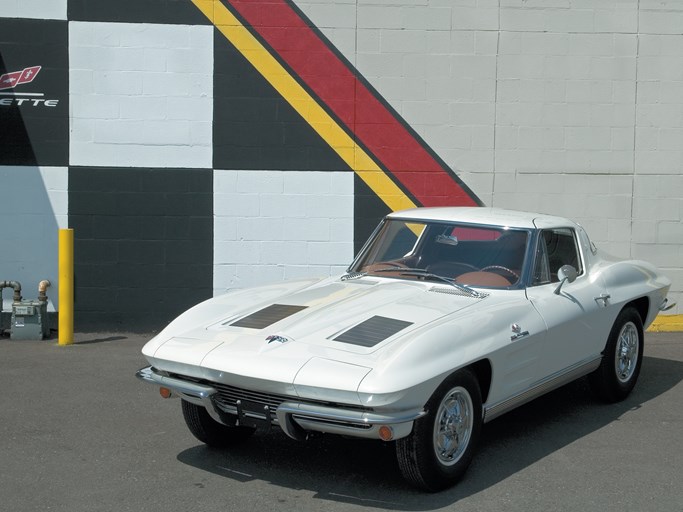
267 316
373 331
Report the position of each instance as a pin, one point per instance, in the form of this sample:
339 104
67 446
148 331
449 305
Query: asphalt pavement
78 432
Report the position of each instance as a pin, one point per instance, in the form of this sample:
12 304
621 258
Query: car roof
483 215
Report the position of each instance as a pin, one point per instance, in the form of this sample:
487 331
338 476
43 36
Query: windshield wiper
363 273
425 273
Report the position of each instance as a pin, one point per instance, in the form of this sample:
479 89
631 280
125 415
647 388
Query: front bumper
295 417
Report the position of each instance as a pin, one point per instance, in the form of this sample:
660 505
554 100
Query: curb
667 323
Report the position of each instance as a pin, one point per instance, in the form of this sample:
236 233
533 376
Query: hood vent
373 331
267 316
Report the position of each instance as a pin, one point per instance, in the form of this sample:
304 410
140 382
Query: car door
521 334
576 327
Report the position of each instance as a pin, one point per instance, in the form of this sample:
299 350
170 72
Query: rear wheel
209 431
440 448
621 360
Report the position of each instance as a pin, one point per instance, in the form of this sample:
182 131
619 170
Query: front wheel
621 361
209 431
441 446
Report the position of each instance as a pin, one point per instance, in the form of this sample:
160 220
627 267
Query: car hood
294 332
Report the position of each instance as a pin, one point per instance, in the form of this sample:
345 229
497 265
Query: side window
556 247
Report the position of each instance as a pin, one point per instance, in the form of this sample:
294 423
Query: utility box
29 320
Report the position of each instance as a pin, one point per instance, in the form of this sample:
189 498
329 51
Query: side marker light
386 433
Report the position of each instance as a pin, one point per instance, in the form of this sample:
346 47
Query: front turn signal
386 433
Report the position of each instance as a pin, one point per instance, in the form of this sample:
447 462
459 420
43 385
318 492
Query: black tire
209 431
621 360
431 458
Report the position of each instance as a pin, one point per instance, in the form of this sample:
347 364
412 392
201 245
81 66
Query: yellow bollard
66 286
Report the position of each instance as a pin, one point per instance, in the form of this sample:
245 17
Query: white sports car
447 318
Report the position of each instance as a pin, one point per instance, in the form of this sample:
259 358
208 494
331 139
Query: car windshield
464 254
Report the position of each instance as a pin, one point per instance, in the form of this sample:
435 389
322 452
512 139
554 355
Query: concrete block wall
274 225
570 107
143 244
35 9
141 94
565 107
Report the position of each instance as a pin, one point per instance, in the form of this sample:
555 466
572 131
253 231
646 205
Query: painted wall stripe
359 108
304 104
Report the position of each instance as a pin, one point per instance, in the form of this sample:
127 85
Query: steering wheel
505 269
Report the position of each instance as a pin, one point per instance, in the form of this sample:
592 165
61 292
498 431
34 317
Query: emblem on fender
518 333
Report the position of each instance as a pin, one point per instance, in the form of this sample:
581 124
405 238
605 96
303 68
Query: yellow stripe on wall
259 57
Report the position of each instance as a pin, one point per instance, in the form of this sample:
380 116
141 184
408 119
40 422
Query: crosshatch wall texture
198 145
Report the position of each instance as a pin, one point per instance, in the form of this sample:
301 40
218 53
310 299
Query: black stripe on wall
179 12
143 244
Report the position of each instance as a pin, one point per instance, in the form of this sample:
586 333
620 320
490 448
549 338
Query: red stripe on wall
338 86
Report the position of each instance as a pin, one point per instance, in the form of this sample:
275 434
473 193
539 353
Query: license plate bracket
253 414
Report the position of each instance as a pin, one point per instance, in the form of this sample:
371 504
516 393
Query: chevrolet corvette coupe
446 319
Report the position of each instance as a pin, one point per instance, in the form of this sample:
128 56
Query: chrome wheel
622 358
438 451
453 426
626 353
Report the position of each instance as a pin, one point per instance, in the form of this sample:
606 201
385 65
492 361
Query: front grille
227 397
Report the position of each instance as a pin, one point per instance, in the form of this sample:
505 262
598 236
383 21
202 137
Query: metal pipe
42 287
11 284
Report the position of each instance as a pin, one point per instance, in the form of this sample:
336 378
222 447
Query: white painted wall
141 95
33 208
275 225
39 9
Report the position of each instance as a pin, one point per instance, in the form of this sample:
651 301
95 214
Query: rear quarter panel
628 280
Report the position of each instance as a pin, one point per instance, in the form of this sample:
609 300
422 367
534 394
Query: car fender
424 359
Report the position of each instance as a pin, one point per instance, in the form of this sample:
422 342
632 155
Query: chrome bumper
293 417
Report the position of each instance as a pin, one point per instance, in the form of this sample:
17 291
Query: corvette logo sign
34 91
25 76
28 99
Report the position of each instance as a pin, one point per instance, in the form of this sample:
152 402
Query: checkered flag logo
25 76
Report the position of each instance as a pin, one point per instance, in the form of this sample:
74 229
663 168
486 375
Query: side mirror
567 273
